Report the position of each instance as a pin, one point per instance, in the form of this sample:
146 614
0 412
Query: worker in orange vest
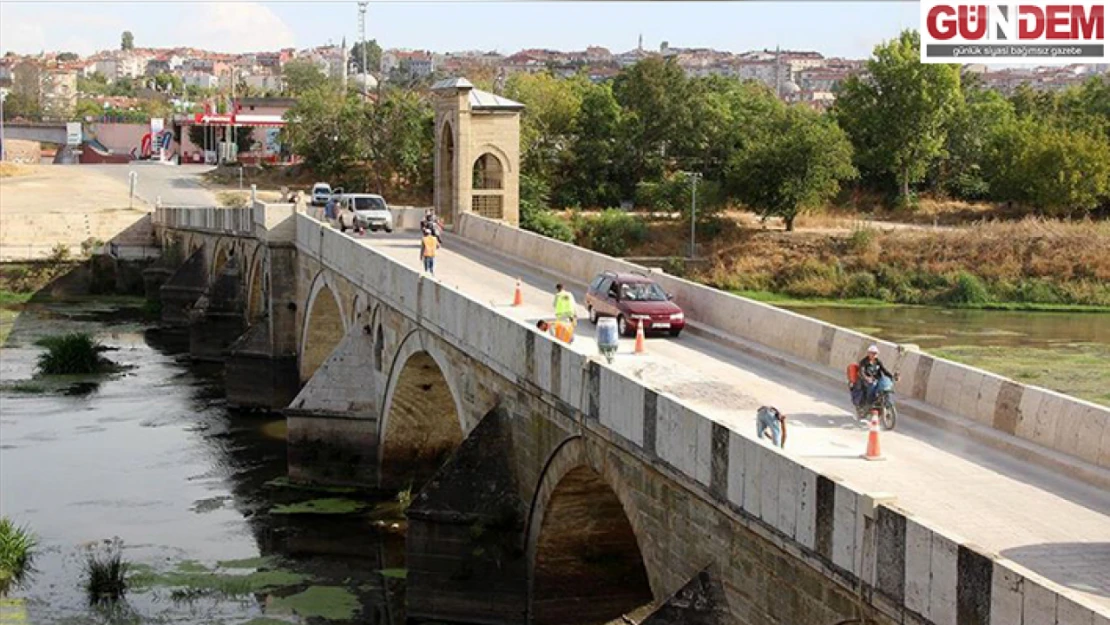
428 246
562 330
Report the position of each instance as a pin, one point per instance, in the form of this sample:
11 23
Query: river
194 490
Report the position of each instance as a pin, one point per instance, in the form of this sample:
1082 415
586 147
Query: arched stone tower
477 158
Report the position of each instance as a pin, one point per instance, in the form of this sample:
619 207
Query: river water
194 491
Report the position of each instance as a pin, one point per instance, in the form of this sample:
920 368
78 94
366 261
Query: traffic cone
873 451
518 296
640 337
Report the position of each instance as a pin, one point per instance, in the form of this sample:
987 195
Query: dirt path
62 204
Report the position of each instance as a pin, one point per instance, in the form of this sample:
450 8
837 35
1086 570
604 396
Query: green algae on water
192 576
285 482
329 602
247 563
320 506
263 620
395 573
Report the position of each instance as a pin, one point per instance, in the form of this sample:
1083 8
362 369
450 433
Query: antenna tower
362 6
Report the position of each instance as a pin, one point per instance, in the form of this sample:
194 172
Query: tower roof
452 83
479 100
484 100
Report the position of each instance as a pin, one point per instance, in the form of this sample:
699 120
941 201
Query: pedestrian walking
565 305
771 423
429 245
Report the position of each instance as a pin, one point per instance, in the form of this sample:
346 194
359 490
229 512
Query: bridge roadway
1045 522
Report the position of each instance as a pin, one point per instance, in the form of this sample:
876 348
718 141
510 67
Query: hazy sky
833 28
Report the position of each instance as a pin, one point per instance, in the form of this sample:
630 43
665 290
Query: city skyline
832 28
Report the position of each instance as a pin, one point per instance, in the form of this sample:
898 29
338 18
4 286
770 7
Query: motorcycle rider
870 369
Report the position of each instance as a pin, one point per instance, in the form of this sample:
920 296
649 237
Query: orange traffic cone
518 296
640 337
873 452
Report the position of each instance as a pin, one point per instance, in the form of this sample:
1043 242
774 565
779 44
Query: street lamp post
694 177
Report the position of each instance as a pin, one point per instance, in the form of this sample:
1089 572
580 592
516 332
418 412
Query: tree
551 106
373 56
397 140
66 57
1056 169
976 117
796 165
590 174
21 106
323 128
896 115
127 41
87 108
653 94
300 77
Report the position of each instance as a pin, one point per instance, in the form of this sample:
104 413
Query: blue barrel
607 333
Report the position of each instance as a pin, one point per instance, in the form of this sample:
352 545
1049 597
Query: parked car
634 298
321 193
364 210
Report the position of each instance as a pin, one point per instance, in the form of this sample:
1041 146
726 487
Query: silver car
357 211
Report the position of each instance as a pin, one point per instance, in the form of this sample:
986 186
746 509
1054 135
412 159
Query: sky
848 29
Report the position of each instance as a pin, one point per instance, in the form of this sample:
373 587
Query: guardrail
236 221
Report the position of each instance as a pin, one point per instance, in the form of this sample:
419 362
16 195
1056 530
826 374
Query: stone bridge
555 488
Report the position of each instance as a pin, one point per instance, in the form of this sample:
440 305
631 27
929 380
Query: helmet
874 349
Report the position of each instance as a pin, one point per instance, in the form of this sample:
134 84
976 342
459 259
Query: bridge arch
324 325
225 249
423 420
257 281
584 558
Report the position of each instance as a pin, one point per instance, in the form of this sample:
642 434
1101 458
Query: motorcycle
883 405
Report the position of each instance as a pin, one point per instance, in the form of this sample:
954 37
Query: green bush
861 240
968 289
548 224
71 354
861 284
612 232
17 553
813 286
1038 292
810 269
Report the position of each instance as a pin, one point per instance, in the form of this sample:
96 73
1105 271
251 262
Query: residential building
263 82
58 93
199 80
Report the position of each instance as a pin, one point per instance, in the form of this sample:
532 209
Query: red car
632 299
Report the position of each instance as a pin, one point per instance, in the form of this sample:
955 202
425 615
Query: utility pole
694 177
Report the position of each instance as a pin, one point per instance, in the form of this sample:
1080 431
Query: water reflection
154 456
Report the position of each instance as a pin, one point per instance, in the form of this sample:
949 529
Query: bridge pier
464 548
261 365
333 421
183 288
216 320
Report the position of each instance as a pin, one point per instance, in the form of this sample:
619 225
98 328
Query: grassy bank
1032 264
786 301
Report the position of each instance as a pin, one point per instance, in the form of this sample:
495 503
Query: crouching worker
771 423
562 330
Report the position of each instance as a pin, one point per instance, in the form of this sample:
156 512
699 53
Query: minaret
778 72
640 45
343 60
